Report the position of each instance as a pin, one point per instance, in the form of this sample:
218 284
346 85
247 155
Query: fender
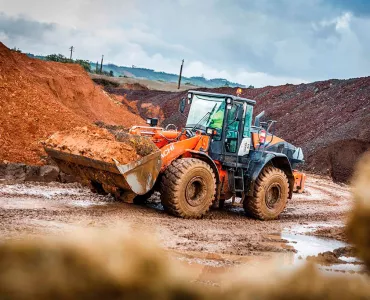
174 150
260 159
206 158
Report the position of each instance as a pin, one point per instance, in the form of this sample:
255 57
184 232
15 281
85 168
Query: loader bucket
136 178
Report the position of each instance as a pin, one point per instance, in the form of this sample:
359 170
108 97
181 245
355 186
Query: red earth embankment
328 119
38 98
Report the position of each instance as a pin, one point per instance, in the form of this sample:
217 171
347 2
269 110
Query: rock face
17 172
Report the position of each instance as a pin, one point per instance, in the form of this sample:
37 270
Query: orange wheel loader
218 155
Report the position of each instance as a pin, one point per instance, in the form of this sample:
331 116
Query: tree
84 63
62 59
111 74
16 50
251 87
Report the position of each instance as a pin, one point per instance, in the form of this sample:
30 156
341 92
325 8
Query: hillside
149 74
38 98
328 119
137 83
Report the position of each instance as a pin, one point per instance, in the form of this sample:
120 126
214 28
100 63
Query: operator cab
227 118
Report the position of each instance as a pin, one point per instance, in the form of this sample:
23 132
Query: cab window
248 121
216 120
232 128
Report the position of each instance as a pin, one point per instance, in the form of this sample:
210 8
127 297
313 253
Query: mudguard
206 158
259 159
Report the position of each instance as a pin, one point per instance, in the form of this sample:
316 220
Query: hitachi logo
167 151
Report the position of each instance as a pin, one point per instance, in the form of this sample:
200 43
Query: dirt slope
38 98
328 119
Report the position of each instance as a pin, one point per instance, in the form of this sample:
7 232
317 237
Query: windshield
207 111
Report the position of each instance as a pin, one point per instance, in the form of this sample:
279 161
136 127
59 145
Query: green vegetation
15 49
62 59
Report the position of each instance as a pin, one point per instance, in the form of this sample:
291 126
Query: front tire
188 188
270 195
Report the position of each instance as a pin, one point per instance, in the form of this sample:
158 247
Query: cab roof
217 95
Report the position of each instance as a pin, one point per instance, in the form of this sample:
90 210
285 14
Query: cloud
357 7
257 42
23 28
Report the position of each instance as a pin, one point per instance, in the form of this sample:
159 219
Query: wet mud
222 240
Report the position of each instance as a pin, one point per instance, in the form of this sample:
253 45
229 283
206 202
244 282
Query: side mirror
258 118
152 122
182 105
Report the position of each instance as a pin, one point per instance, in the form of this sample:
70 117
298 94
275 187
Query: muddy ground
222 239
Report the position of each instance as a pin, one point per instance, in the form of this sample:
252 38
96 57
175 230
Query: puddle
307 245
208 266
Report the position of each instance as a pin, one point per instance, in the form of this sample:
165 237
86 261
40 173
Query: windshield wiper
211 113
196 125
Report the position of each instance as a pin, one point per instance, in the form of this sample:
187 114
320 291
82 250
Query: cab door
237 135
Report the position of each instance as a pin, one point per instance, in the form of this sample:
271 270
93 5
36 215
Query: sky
253 42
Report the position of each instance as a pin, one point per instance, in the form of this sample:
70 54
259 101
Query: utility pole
101 64
182 65
71 49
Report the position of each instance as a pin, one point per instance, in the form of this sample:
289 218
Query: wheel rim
273 195
196 191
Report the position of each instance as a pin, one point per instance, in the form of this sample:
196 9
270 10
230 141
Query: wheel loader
219 155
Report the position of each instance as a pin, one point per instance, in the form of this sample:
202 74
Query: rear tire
188 188
270 195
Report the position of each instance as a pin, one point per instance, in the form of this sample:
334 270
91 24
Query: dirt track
38 209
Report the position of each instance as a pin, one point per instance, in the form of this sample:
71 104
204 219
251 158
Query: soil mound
38 98
153 104
135 86
101 144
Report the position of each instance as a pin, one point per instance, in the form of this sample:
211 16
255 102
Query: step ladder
236 180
